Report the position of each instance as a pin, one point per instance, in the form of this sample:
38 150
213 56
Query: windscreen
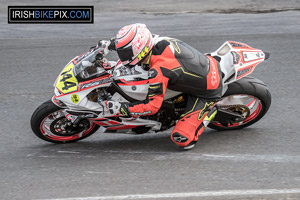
86 68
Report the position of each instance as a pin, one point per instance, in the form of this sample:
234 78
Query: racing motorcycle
75 111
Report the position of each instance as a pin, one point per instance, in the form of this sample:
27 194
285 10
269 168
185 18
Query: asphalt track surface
259 162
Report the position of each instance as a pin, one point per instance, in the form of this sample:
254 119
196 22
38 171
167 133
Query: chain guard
242 111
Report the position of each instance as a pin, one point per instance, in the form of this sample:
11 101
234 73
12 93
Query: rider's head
133 43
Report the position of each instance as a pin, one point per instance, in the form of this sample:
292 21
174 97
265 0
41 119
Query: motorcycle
75 111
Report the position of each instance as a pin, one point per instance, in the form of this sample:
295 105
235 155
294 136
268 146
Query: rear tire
46 117
252 87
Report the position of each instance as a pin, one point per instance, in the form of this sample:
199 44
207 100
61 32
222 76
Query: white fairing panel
82 102
170 94
130 74
138 92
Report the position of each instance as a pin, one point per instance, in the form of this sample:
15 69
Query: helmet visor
125 54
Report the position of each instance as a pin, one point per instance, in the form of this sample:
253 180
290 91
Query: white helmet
133 43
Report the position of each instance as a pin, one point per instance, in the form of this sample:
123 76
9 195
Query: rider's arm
157 88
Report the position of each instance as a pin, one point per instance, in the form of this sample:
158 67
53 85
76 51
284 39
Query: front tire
247 92
47 122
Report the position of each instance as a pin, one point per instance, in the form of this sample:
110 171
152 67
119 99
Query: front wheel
247 97
49 123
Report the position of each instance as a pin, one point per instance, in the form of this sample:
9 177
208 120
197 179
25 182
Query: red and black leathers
177 66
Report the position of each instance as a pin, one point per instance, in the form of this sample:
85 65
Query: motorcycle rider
175 65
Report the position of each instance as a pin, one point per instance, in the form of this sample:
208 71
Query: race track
259 162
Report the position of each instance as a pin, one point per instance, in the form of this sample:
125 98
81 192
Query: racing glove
112 45
124 110
103 45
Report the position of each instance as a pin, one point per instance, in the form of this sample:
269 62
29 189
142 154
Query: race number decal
66 81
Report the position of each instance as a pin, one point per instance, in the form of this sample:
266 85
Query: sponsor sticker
75 98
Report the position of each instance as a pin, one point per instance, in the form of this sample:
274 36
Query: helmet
133 43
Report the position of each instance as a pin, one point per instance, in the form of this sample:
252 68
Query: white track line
190 194
278 158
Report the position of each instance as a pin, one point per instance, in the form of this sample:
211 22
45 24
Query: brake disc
63 127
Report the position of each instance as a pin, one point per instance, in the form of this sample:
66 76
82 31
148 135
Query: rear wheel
49 123
248 98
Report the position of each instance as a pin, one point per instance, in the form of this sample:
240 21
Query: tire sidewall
45 110
248 86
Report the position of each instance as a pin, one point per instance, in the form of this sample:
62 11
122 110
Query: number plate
66 81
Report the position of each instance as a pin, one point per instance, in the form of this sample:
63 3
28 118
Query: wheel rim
52 128
253 104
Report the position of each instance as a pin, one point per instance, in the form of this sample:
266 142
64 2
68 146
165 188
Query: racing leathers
177 66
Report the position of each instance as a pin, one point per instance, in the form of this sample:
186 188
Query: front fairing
79 69
78 79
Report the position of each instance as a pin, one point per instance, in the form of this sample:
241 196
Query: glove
115 108
112 45
103 46
124 110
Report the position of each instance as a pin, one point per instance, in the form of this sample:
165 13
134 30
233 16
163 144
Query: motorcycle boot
188 129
